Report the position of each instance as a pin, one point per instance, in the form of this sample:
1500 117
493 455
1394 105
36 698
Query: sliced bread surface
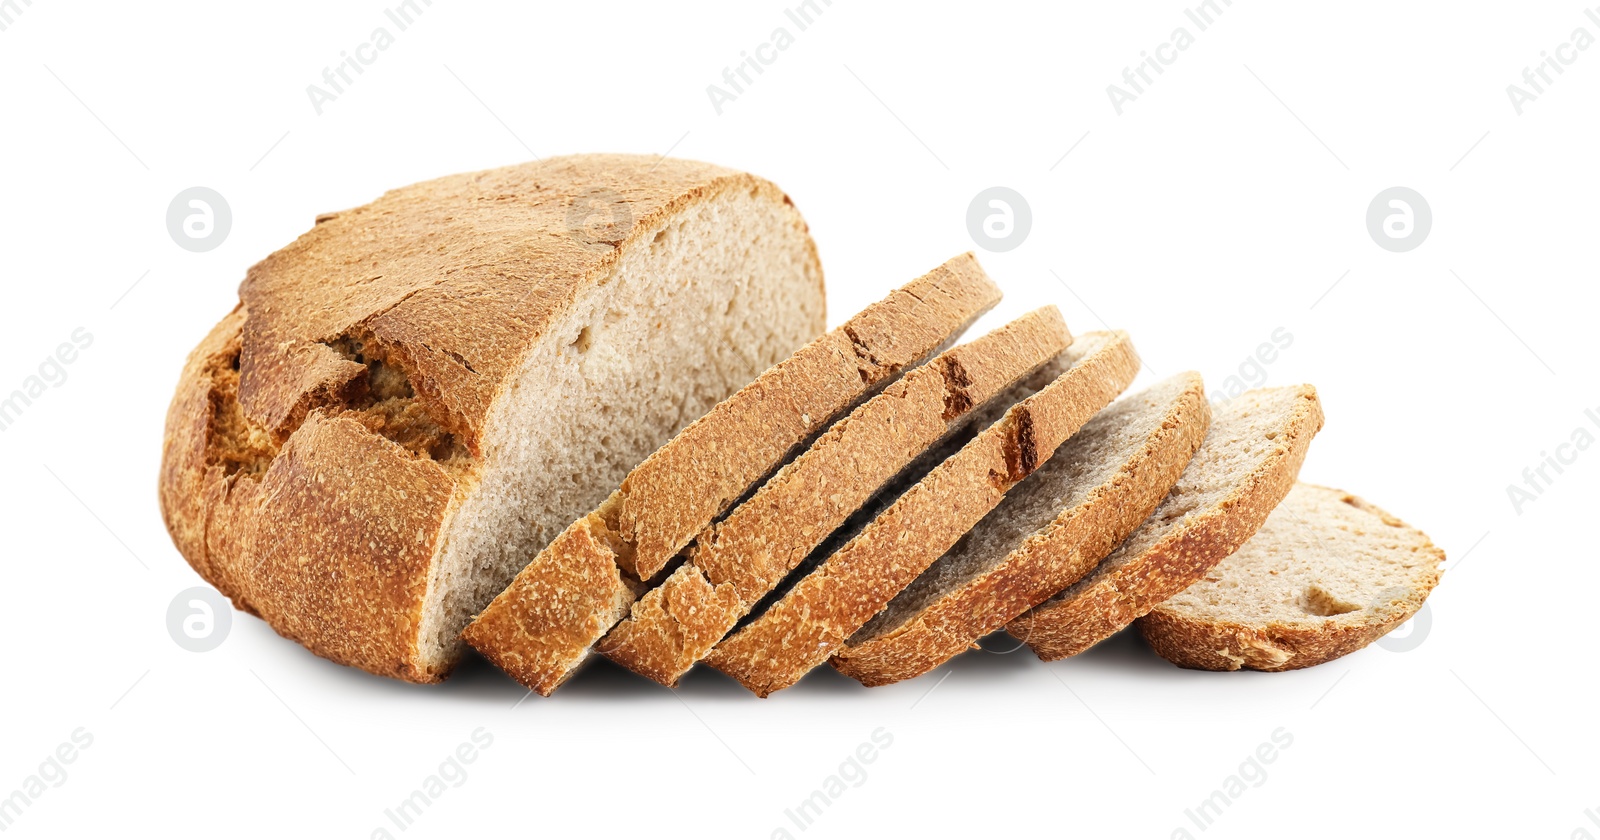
416 395
1050 531
1327 574
545 624
813 618
736 562
697 476
1249 459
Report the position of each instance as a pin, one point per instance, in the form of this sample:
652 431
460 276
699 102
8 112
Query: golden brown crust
453 279
443 287
1192 642
814 618
1068 625
686 614
1047 562
191 481
762 540
694 477
343 569
540 629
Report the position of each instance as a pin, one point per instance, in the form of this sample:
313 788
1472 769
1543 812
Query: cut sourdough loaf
416 395
739 560
1050 531
544 625
1248 461
837 595
1327 574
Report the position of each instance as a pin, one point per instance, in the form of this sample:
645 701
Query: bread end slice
1327 574
1250 458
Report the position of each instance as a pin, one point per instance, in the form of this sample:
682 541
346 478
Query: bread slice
544 625
809 622
1246 465
1050 531
416 395
1327 574
739 560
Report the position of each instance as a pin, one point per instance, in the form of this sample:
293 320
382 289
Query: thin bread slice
544 625
1049 532
1327 574
810 621
739 560
1246 465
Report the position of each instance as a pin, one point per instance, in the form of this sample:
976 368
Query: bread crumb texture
1249 459
1327 574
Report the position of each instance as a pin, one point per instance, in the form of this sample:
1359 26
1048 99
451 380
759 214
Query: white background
1203 218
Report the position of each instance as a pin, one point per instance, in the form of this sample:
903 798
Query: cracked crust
942 615
1249 460
813 619
1317 535
738 561
593 569
324 433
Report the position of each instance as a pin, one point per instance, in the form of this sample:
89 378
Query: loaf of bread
416 395
587 405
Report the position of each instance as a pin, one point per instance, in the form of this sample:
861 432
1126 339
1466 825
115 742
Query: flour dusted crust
324 433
